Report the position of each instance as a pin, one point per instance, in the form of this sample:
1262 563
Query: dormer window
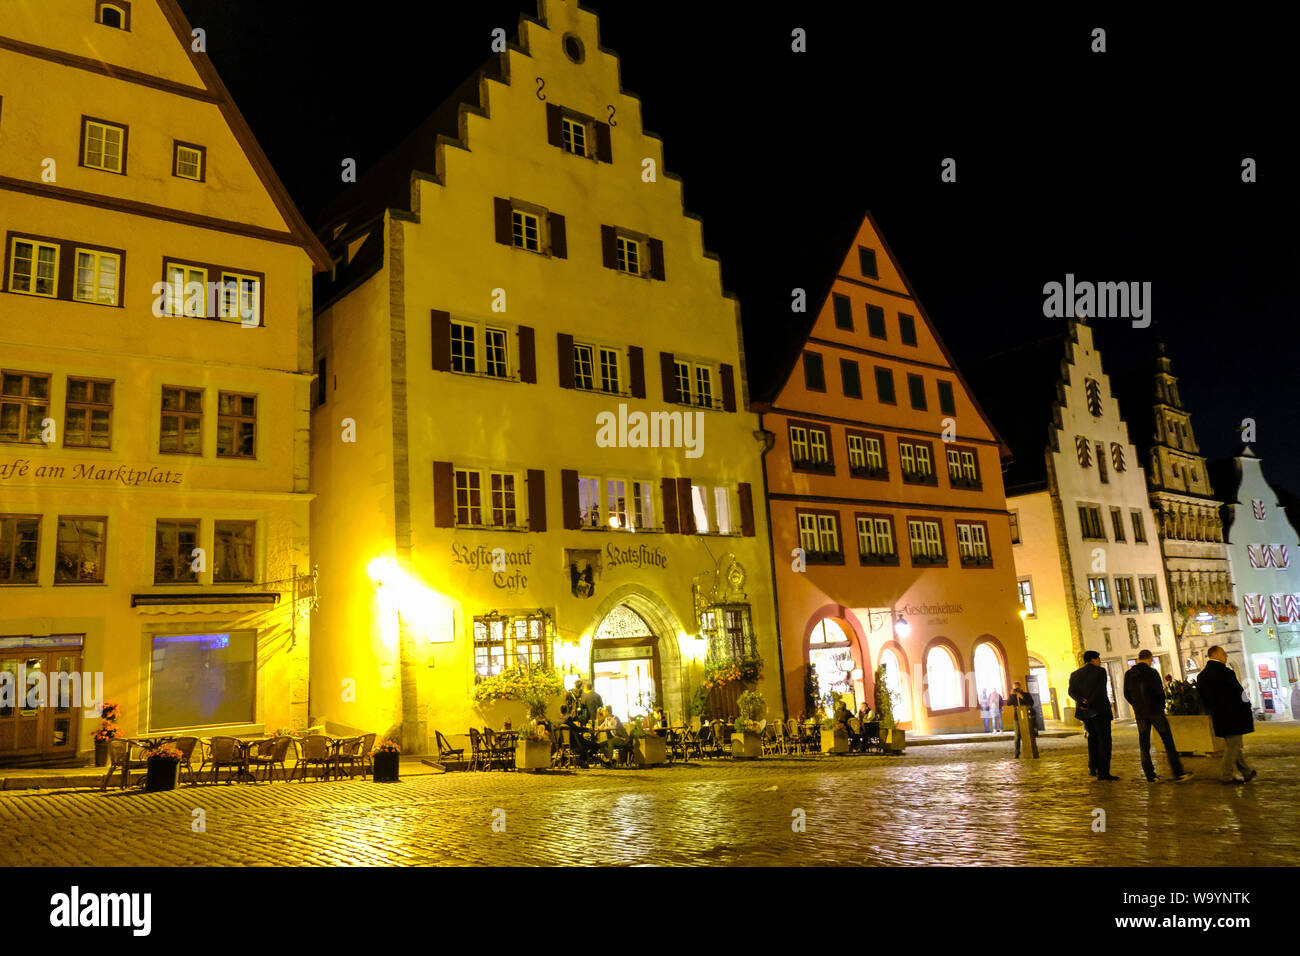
116 14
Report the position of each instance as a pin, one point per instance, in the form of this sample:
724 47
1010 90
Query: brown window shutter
536 499
656 259
685 506
609 246
746 509
569 498
728 376
527 355
444 495
636 370
668 370
505 230
440 329
669 487
604 151
554 128
564 348
559 240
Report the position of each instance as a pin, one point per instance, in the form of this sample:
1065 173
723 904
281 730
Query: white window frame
98 256
33 277
589 486
569 142
520 220
473 340
179 162
473 483
237 280
972 542
490 332
818 446
627 255
188 274
104 129
607 360
517 499
644 504
808 537
857 451
828 531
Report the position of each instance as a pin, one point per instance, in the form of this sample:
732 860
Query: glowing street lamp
901 627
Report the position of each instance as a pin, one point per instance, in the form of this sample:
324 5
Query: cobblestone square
953 804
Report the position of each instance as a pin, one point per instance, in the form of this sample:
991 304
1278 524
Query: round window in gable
573 48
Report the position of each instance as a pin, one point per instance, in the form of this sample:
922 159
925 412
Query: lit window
972 543
589 502
103 146
24 405
943 682
189 162
722 511
616 501
1026 590
505 513
700 508
1100 595
241 298
34 268
181 428
643 504
19 548
97 277
469 497
187 289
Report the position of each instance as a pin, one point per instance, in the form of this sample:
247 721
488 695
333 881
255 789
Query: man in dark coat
1230 709
1092 705
590 702
1145 693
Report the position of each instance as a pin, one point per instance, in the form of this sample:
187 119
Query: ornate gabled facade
1191 530
1264 553
553 463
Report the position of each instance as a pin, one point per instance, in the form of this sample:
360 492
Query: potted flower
106 732
385 756
108 713
835 738
648 749
508 698
1191 726
533 749
747 737
892 737
163 768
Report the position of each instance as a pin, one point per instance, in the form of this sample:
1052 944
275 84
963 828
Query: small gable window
116 14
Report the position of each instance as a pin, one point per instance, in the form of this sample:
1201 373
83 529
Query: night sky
1122 166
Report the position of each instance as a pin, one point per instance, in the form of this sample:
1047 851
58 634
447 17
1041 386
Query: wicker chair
315 751
770 743
478 759
796 740
222 752
124 754
271 754
347 755
499 753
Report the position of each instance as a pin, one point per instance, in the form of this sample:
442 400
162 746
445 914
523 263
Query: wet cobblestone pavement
960 804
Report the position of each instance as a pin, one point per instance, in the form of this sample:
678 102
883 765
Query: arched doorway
625 666
897 684
943 683
830 654
633 624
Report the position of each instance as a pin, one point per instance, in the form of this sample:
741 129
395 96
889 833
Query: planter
1194 734
163 773
386 766
101 753
835 742
747 745
651 751
894 740
533 755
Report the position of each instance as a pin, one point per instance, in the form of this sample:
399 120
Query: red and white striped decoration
1255 552
1280 558
1281 613
1258 506
1254 607
1293 607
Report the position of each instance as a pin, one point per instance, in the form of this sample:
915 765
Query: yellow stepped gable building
155 349
534 447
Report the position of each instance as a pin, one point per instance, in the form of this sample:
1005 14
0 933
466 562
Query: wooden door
39 723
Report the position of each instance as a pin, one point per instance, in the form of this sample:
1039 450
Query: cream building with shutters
517 288
1088 560
153 444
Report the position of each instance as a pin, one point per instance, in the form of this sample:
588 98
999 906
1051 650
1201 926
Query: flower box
162 773
747 745
101 753
651 751
893 740
1194 734
387 763
533 754
835 742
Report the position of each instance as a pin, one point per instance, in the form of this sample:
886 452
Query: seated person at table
616 735
581 742
842 716
660 719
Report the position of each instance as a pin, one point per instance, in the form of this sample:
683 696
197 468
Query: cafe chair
348 754
450 757
478 759
315 752
271 754
499 751
124 754
222 752
187 745
366 755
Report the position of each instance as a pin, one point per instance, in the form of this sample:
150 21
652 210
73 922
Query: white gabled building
1264 552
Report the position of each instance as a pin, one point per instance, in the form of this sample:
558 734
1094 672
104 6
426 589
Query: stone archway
660 624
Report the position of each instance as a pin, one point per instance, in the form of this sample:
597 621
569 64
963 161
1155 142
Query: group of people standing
1219 689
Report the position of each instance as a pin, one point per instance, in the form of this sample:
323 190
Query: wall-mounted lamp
901 627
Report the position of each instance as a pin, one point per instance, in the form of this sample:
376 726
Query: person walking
1092 705
995 708
1022 704
1145 693
984 712
1230 709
